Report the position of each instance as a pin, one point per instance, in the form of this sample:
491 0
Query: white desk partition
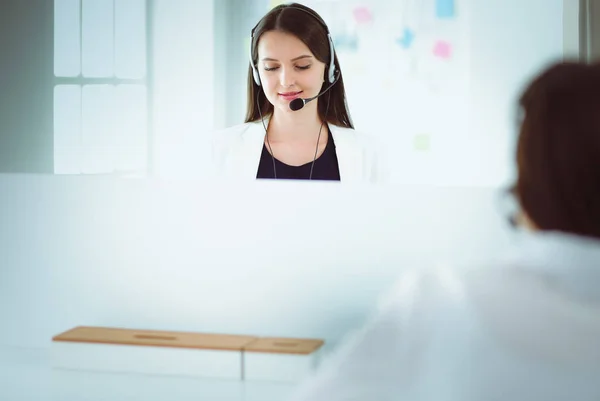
305 260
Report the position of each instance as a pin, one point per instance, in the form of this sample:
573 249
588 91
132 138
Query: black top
326 166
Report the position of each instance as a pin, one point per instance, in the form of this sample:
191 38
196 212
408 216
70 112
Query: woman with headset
297 122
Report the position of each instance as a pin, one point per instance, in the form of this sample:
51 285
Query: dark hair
558 151
310 28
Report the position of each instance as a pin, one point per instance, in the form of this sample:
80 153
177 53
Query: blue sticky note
408 36
445 8
345 42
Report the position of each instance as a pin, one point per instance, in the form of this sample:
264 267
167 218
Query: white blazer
236 153
524 328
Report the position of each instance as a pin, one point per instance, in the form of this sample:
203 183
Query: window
101 102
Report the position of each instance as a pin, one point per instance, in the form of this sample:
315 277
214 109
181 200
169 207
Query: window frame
146 81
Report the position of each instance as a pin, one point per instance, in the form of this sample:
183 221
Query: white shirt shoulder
524 328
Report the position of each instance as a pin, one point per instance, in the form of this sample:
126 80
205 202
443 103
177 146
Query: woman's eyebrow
294 59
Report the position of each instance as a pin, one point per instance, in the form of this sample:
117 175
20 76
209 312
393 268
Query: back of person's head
558 150
306 25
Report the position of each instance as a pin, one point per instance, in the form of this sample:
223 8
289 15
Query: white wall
184 84
571 29
283 259
511 40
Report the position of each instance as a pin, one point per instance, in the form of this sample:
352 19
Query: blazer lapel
251 149
348 155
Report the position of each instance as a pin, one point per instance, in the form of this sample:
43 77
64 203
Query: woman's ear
523 220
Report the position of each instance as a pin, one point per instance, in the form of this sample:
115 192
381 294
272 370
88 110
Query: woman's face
288 70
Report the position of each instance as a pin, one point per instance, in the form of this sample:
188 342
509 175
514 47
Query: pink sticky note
442 49
362 15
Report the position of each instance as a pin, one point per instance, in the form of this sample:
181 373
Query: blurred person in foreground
526 327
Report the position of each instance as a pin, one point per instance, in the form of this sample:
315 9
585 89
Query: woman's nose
287 78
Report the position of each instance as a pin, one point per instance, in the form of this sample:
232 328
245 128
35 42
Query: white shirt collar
570 260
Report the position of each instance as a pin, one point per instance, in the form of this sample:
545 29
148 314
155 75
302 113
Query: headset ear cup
331 71
256 76
254 70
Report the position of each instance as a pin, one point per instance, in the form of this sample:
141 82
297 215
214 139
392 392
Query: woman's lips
290 95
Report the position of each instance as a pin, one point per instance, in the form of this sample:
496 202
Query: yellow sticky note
275 3
422 142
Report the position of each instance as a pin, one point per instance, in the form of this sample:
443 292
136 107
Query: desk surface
26 374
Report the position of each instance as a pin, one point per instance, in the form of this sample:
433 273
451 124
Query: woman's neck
294 126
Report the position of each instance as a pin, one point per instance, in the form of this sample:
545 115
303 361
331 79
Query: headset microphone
299 103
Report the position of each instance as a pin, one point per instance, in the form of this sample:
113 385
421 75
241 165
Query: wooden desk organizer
221 356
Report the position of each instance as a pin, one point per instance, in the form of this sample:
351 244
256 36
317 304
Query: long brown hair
309 27
558 151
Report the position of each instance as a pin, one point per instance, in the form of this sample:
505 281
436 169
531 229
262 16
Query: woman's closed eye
300 67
